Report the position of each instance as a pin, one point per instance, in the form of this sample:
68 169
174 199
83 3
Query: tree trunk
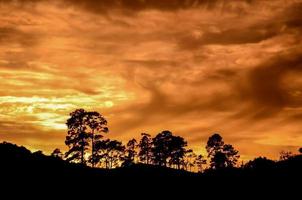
147 157
106 161
82 152
92 149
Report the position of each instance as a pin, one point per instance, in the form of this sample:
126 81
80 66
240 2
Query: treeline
88 146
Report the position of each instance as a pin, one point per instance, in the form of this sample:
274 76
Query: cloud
265 87
194 67
141 5
10 35
245 31
252 34
26 134
128 6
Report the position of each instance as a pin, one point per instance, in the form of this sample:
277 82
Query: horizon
193 67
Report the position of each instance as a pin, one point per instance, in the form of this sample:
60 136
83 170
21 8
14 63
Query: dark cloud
133 5
223 75
265 89
287 22
10 35
256 93
292 16
104 6
151 63
252 34
167 5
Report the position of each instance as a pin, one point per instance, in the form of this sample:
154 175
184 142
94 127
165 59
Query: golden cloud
194 67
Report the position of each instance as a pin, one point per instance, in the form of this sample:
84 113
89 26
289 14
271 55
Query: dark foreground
20 167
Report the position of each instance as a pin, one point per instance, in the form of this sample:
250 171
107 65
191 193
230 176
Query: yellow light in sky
192 71
109 104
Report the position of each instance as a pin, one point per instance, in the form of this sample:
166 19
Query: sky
194 67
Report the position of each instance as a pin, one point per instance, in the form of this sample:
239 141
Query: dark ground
19 168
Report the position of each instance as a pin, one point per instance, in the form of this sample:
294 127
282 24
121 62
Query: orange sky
190 66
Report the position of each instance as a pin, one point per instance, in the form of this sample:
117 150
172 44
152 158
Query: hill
19 165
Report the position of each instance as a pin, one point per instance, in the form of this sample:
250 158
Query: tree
221 155
77 138
109 151
214 145
214 148
300 150
231 155
160 150
57 153
96 125
199 162
84 127
285 155
145 148
177 150
168 149
130 153
219 160
189 161
260 163
100 153
115 151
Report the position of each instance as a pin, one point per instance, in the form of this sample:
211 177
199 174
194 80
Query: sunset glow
194 67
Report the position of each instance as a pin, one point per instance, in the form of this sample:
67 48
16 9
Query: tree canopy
86 129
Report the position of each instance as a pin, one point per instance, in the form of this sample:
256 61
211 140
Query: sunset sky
194 67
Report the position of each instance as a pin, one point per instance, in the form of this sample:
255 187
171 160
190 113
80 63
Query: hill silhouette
17 161
27 171
20 162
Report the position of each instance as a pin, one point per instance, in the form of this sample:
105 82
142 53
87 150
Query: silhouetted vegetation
221 155
145 145
284 155
90 153
84 126
57 153
130 153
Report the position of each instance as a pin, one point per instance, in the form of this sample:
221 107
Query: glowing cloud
194 67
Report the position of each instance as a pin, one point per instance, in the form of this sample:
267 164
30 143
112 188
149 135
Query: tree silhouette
115 151
177 150
231 155
199 162
161 148
260 163
77 138
57 153
168 149
145 146
285 155
84 126
100 153
96 125
300 150
219 160
130 153
189 161
214 147
221 155
214 144
109 151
